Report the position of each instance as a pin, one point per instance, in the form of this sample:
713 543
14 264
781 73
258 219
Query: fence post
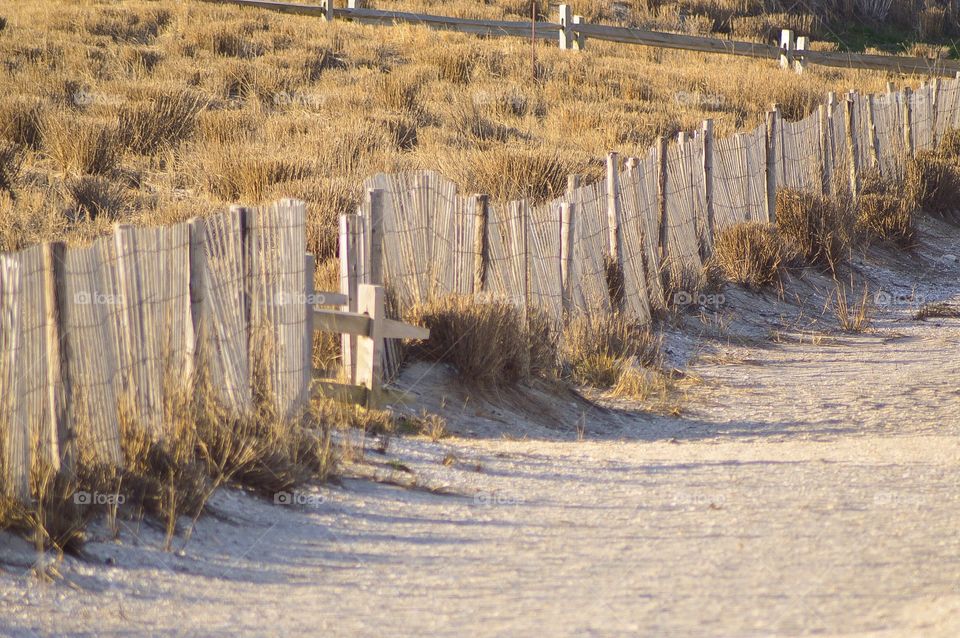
771 166
481 242
579 40
662 196
309 270
59 390
373 270
872 132
573 183
199 283
891 89
907 121
799 63
744 158
613 206
327 6
349 283
566 252
786 48
708 178
851 144
935 108
824 149
566 35
369 367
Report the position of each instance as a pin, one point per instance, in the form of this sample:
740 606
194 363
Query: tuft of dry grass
20 121
430 425
817 229
937 310
750 254
488 343
11 161
852 314
934 178
81 145
160 122
94 196
598 348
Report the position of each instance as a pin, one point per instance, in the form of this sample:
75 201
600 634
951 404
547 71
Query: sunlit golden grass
190 106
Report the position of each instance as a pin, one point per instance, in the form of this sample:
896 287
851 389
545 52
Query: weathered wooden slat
342 321
676 41
393 329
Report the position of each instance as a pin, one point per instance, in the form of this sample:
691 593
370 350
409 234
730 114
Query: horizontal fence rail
572 32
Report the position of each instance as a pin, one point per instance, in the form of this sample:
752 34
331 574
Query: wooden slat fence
90 335
662 212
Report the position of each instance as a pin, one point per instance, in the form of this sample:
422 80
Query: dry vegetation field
152 112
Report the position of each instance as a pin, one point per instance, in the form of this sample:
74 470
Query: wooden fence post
708 178
905 100
59 389
579 40
370 301
199 284
824 149
613 206
573 183
744 158
935 108
349 286
373 269
891 89
872 132
566 252
566 20
662 196
310 292
786 48
771 165
799 63
327 6
481 242
850 122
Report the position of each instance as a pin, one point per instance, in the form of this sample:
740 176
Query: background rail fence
572 32
653 217
120 326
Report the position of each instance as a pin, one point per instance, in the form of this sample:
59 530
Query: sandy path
798 496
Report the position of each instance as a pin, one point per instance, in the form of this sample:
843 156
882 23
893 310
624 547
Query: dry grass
430 425
750 254
886 211
819 230
934 178
159 122
487 343
197 105
81 146
938 310
599 348
852 314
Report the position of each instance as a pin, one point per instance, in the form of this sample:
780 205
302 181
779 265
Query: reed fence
120 327
652 219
